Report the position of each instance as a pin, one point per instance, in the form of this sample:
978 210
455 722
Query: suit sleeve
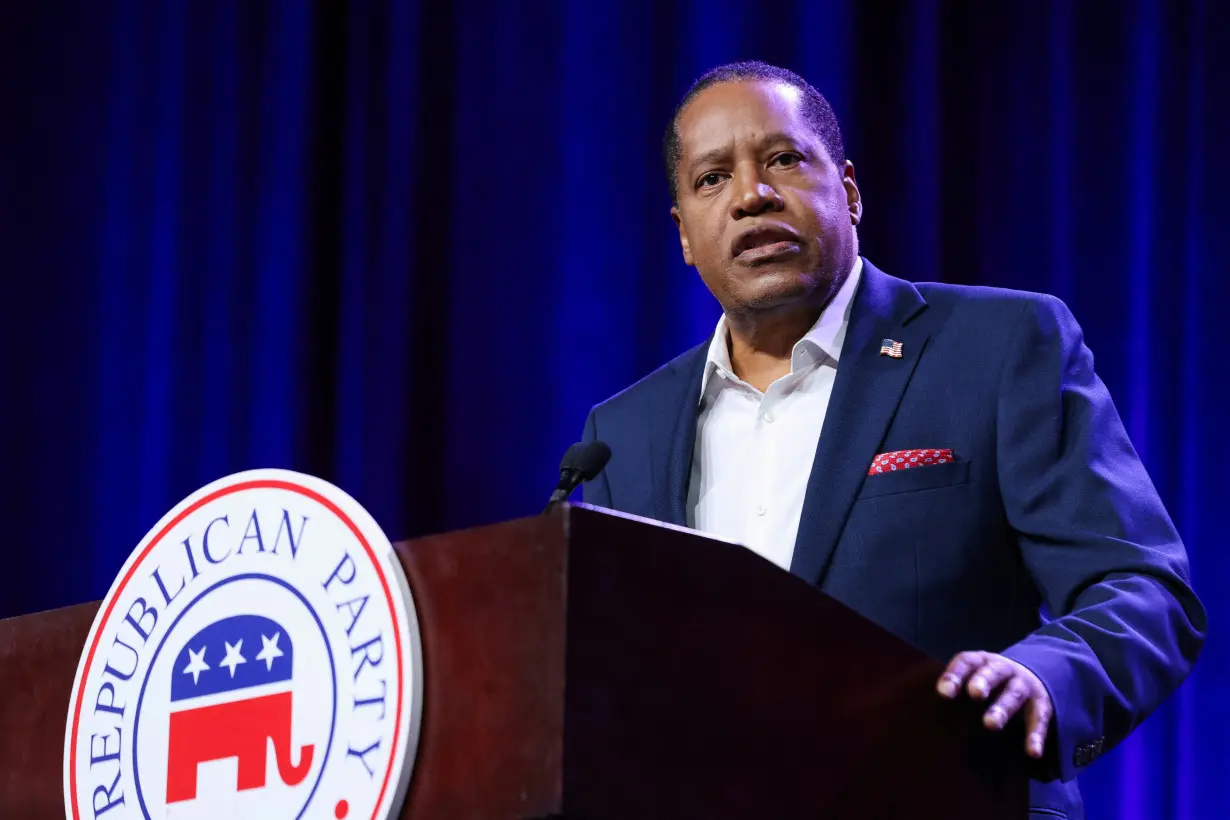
1125 625
597 491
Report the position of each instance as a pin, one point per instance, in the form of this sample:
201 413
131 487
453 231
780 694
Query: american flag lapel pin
890 348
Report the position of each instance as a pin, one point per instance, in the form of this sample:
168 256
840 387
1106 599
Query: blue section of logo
232 654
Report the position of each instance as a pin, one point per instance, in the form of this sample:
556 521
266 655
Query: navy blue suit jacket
1046 503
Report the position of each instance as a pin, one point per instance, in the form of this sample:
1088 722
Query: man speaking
942 459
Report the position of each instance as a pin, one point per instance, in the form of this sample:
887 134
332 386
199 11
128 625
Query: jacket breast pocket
916 479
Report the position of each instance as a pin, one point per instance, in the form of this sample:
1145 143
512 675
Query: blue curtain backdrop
405 246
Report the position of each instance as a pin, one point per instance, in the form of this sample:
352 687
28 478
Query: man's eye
786 159
709 180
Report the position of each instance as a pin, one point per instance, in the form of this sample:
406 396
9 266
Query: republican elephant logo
230 697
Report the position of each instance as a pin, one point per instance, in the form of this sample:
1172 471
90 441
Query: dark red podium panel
591 665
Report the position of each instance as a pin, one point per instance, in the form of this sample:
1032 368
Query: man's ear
854 198
683 237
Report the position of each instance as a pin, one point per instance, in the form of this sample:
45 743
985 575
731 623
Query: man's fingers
1037 722
959 668
1007 704
983 673
987 677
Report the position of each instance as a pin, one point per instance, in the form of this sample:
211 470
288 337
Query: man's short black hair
816 110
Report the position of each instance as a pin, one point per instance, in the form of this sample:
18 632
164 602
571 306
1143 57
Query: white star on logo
269 650
233 658
196 664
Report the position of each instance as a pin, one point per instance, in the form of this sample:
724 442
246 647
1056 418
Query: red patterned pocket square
905 459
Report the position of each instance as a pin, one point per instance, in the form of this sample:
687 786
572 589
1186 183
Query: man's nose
753 196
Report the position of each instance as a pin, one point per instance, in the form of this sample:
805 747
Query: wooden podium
590 665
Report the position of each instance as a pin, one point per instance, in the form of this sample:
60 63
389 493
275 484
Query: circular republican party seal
257 657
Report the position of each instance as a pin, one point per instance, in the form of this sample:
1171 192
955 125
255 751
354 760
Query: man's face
764 214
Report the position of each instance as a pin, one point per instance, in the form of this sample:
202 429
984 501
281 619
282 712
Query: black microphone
583 461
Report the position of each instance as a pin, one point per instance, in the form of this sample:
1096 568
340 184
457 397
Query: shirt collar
825 339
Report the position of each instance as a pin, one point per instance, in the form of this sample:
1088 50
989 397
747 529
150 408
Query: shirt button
760 510
768 417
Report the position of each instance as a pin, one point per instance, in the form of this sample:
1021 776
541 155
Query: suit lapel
672 435
865 396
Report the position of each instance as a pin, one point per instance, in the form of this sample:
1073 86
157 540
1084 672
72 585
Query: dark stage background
405 246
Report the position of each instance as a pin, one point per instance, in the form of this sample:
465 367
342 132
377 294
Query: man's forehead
739 111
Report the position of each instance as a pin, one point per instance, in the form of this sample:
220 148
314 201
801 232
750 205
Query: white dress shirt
754 450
